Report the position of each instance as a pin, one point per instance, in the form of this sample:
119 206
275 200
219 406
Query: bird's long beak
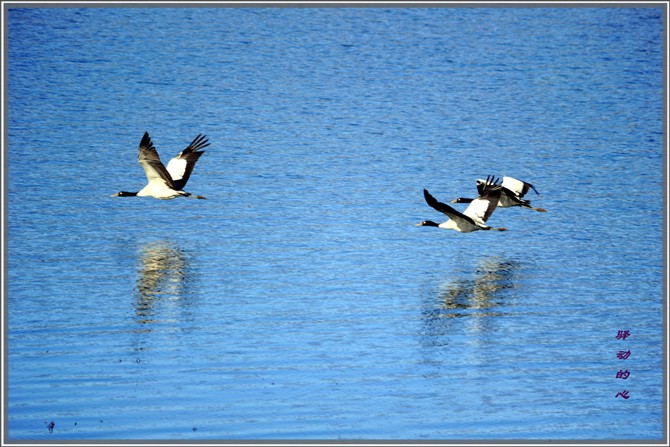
115 195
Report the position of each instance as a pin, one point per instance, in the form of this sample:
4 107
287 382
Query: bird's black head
427 223
124 194
461 200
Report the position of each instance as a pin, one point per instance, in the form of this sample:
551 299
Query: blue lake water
300 301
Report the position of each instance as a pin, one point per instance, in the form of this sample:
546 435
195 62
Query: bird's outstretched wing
182 165
518 187
483 206
151 162
446 209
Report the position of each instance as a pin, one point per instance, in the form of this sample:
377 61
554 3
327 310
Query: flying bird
474 216
511 195
162 182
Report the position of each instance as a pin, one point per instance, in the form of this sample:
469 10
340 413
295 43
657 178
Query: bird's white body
160 191
158 186
459 225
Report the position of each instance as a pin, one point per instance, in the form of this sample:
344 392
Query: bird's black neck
127 194
430 223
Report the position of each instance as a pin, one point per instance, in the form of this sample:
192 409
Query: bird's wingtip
146 140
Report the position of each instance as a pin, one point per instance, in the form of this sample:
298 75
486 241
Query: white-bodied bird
162 182
475 215
511 195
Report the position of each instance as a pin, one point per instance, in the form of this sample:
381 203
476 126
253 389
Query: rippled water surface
300 301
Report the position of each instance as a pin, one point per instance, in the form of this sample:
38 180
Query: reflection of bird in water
467 307
162 277
482 292
478 295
